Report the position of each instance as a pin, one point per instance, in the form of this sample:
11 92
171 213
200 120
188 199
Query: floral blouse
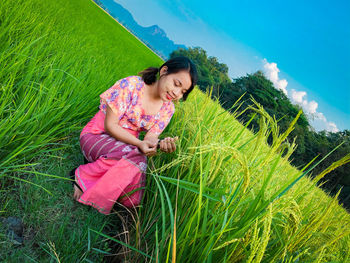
124 98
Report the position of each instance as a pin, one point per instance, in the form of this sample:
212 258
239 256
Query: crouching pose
117 158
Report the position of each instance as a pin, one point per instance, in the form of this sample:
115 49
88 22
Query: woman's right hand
148 148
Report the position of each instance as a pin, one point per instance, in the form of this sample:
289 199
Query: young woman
117 158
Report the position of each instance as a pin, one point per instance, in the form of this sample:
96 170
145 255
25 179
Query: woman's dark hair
174 65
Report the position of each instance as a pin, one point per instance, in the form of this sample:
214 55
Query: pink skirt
116 172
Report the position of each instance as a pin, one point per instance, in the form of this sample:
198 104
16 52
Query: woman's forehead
184 77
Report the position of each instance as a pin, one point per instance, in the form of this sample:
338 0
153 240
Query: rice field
223 196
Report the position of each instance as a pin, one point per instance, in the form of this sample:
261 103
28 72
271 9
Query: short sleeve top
124 98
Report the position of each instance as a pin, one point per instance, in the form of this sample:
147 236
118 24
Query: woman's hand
168 144
152 140
147 147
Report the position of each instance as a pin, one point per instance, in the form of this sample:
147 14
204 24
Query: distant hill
153 36
224 195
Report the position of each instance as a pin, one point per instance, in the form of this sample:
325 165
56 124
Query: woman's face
173 86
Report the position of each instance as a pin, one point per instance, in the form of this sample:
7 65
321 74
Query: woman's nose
177 92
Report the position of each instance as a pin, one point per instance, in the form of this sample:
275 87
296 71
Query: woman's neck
152 91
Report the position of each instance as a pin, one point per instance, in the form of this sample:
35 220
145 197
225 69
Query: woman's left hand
151 141
168 144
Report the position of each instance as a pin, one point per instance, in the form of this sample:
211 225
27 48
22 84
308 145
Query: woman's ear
163 70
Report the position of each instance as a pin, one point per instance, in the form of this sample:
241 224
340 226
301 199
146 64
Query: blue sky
303 47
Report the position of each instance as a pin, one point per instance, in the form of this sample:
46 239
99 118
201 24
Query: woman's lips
168 97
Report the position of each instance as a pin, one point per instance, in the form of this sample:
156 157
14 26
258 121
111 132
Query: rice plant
52 73
223 196
240 200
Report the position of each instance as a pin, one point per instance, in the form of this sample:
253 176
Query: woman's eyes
177 84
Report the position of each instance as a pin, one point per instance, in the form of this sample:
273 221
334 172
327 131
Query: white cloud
317 119
297 96
271 72
320 123
320 116
332 127
311 106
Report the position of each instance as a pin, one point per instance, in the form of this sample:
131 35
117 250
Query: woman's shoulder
133 78
130 79
132 82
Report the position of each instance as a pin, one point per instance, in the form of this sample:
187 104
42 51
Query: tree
214 75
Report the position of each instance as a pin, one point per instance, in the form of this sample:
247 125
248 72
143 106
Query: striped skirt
116 172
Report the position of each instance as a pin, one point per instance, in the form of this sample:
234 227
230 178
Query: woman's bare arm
115 130
152 137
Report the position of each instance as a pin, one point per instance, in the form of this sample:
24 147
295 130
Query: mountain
153 36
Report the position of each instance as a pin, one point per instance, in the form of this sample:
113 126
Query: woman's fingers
151 151
151 144
168 144
171 144
163 146
148 148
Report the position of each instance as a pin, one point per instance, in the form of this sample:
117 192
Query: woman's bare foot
77 192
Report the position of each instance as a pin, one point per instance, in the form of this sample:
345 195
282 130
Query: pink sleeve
164 119
117 97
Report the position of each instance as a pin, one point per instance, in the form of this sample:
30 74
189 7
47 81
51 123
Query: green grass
54 223
224 196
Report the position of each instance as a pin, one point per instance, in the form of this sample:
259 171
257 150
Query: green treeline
310 143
